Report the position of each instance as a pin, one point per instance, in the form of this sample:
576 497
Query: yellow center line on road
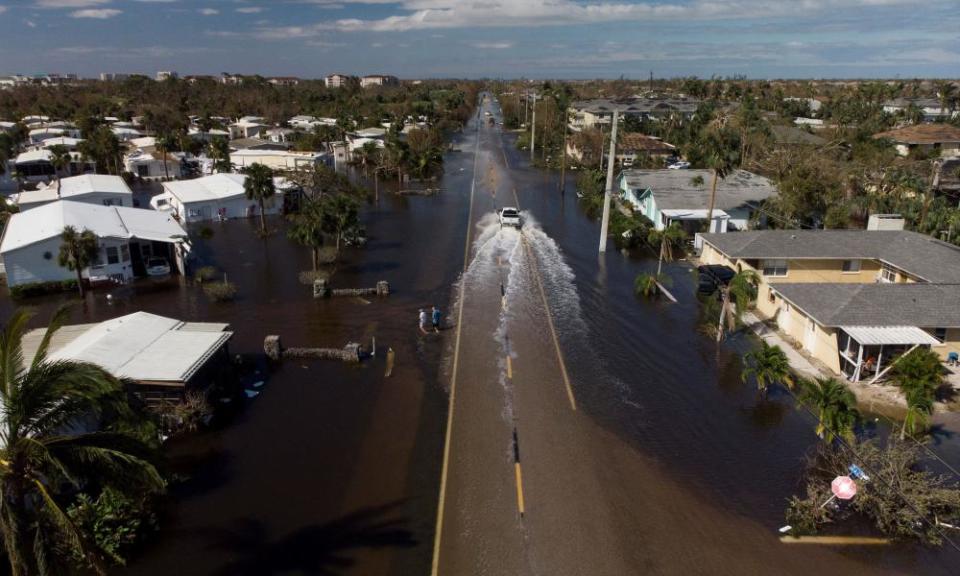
553 331
519 476
435 565
509 368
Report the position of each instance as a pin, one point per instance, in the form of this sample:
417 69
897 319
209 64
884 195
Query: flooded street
642 450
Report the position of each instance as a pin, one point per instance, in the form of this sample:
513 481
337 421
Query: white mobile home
127 237
99 189
278 159
216 197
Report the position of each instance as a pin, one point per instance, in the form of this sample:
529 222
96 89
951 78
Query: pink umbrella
843 487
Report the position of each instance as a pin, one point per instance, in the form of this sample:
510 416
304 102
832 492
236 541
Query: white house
37 165
247 127
931 108
65 141
127 236
378 80
151 165
278 159
38 135
667 196
216 197
125 134
338 80
99 189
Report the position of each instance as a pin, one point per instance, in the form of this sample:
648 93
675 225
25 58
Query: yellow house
853 299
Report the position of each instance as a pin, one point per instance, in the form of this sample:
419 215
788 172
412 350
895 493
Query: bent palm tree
768 365
736 297
835 405
258 186
60 159
42 459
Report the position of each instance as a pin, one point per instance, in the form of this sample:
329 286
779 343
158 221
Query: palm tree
835 405
946 94
41 464
219 151
340 216
720 158
768 365
307 228
669 242
736 297
60 158
919 375
78 250
163 143
648 285
258 186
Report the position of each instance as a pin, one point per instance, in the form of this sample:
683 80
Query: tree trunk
80 281
315 256
713 201
166 173
263 220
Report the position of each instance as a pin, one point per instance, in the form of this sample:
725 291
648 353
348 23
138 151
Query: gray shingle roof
923 305
792 135
673 189
917 254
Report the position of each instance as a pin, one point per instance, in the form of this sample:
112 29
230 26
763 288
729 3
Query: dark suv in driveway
712 276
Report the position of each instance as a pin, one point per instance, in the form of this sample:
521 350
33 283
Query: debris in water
786 529
258 384
226 400
251 393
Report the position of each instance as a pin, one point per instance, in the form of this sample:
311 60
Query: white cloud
29 23
208 11
492 45
3 9
439 14
250 10
96 13
70 3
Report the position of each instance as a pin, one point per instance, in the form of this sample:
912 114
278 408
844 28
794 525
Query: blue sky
485 38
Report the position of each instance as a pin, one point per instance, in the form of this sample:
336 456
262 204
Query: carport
865 349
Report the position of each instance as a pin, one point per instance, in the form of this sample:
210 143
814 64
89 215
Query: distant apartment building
378 80
284 81
232 79
593 113
166 75
113 77
338 80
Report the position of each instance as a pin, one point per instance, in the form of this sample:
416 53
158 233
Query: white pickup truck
509 216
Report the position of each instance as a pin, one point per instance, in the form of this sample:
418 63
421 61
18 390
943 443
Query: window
98 261
940 334
113 255
162 202
774 267
125 252
888 274
110 202
851 266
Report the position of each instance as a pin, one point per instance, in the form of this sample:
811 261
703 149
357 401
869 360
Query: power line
861 463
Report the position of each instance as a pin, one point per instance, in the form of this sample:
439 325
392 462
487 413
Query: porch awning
890 335
694 214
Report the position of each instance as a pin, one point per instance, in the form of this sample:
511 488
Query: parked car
679 165
158 267
509 216
712 276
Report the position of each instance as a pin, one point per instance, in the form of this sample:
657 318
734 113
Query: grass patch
220 291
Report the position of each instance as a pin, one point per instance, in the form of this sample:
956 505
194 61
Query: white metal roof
41 155
91 183
890 335
249 152
60 141
39 196
146 347
678 214
208 188
49 220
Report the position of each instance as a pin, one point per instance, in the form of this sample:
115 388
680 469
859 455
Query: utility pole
611 162
533 128
563 152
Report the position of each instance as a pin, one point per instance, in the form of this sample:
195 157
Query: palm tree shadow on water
318 550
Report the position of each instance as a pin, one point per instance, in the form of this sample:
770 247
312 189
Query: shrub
220 291
113 522
205 274
42 288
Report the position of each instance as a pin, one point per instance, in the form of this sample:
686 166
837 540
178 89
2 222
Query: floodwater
335 469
